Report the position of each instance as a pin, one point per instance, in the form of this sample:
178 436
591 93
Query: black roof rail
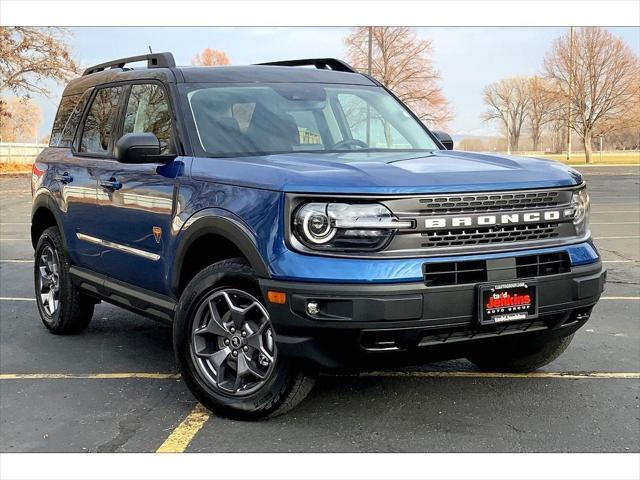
319 63
154 60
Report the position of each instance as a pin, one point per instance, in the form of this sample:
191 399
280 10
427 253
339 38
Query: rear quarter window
67 119
67 104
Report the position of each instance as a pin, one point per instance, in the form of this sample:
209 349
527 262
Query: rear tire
64 309
520 357
231 364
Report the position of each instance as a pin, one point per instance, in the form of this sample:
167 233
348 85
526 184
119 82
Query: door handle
64 178
112 184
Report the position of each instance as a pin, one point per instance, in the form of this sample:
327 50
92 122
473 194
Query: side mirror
445 139
139 148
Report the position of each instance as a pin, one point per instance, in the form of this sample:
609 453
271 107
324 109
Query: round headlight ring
316 227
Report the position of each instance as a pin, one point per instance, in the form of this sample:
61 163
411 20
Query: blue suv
288 220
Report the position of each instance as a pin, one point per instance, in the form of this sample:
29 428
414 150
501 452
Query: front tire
520 357
63 308
225 349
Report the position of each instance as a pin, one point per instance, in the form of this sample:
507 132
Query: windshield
280 118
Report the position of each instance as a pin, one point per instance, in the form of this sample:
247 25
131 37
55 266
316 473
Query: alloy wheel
232 342
49 280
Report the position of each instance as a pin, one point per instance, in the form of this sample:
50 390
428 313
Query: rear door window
148 112
100 122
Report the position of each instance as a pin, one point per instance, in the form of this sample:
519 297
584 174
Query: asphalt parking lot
114 389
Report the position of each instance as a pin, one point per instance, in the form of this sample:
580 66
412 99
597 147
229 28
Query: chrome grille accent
482 236
493 202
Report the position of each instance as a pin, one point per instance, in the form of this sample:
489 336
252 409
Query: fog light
313 308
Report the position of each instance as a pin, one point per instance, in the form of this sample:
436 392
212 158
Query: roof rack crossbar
319 63
154 60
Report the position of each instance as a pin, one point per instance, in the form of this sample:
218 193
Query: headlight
580 207
344 226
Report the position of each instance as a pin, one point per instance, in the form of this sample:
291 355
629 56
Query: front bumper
370 324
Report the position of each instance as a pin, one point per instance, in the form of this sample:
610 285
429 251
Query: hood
387 172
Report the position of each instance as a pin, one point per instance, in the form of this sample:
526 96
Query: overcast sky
467 58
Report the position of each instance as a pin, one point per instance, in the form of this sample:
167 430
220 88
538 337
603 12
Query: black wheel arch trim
207 222
43 199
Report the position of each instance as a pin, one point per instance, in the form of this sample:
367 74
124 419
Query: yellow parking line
564 375
93 376
472 374
181 437
18 299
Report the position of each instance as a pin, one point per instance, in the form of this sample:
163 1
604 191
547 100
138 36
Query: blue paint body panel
386 173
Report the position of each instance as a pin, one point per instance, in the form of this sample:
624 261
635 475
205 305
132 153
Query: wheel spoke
44 274
245 367
220 356
215 325
51 301
237 314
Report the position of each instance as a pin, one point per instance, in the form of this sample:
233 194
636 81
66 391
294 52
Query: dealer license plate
507 302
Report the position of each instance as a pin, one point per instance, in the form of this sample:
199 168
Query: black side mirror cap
445 139
140 148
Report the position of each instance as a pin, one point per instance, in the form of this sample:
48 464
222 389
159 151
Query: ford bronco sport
288 220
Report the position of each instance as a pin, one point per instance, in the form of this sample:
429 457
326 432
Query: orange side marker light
277 297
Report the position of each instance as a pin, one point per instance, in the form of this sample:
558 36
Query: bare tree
209 57
402 62
508 102
30 55
541 107
605 80
20 124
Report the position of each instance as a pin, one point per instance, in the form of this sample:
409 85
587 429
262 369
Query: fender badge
157 233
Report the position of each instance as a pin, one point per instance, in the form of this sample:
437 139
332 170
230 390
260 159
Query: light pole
369 60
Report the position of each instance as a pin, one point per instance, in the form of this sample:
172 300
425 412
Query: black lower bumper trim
350 322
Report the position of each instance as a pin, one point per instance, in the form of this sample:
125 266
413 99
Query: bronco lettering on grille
498 219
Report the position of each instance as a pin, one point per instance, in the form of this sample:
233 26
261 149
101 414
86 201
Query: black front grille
448 204
445 204
477 271
455 273
490 235
543 264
